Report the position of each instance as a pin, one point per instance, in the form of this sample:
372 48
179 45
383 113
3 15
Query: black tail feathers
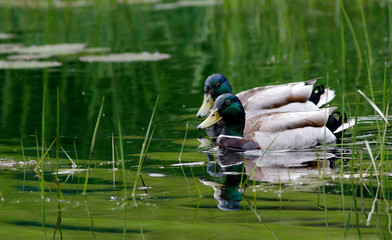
334 123
316 94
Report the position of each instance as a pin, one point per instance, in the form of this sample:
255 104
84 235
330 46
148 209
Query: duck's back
281 121
272 97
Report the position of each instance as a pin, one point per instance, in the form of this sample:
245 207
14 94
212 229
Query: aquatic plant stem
378 182
350 26
374 106
142 151
92 145
42 177
364 25
113 162
57 132
74 166
24 165
258 216
37 144
142 224
148 146
179 160
122 161
90 216
78 165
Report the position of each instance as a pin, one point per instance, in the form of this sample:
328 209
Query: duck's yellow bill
213 118
208 102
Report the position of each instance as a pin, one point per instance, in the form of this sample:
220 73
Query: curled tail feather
321 96
339 124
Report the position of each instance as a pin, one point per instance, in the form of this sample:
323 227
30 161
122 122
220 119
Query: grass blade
374 106
182 167
122 160
113 162
92 145
142 151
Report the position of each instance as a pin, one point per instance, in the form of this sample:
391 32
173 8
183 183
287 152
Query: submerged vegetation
105 145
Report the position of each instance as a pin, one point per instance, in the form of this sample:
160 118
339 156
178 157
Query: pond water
59 59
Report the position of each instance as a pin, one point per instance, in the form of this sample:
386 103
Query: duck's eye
217 85
227 102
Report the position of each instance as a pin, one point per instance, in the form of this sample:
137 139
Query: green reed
182 167
190 167
57 131
42 177
24 164
385 103
352 31
125 205
122 161
37 144
58 187
365 30
90 216
59 192
144 145
92 145
113 162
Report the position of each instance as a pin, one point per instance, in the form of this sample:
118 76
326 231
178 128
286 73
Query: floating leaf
67 3
55 49
96 50
27 64
6 36
28 57
9 47
137 1
179 4
126 57
44 3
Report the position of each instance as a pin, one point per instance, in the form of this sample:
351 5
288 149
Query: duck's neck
234 125
233 130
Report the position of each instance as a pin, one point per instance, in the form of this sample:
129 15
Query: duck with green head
298 96
277 130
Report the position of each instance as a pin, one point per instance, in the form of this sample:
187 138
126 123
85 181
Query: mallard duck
298 96
277 130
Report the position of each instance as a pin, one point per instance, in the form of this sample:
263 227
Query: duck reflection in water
226 171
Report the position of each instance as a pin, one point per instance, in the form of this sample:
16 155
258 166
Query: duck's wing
276 96
281 121
297 138
291 107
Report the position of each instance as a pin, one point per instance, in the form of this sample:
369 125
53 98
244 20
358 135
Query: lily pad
9 47
96 50
28 57
179 4
126 57
6 36
64 4
44 3
137 1
54 49
28 64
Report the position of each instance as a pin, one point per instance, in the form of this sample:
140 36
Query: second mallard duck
278 130
297 96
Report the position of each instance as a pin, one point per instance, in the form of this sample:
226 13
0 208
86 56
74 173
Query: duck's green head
228 108
214 86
